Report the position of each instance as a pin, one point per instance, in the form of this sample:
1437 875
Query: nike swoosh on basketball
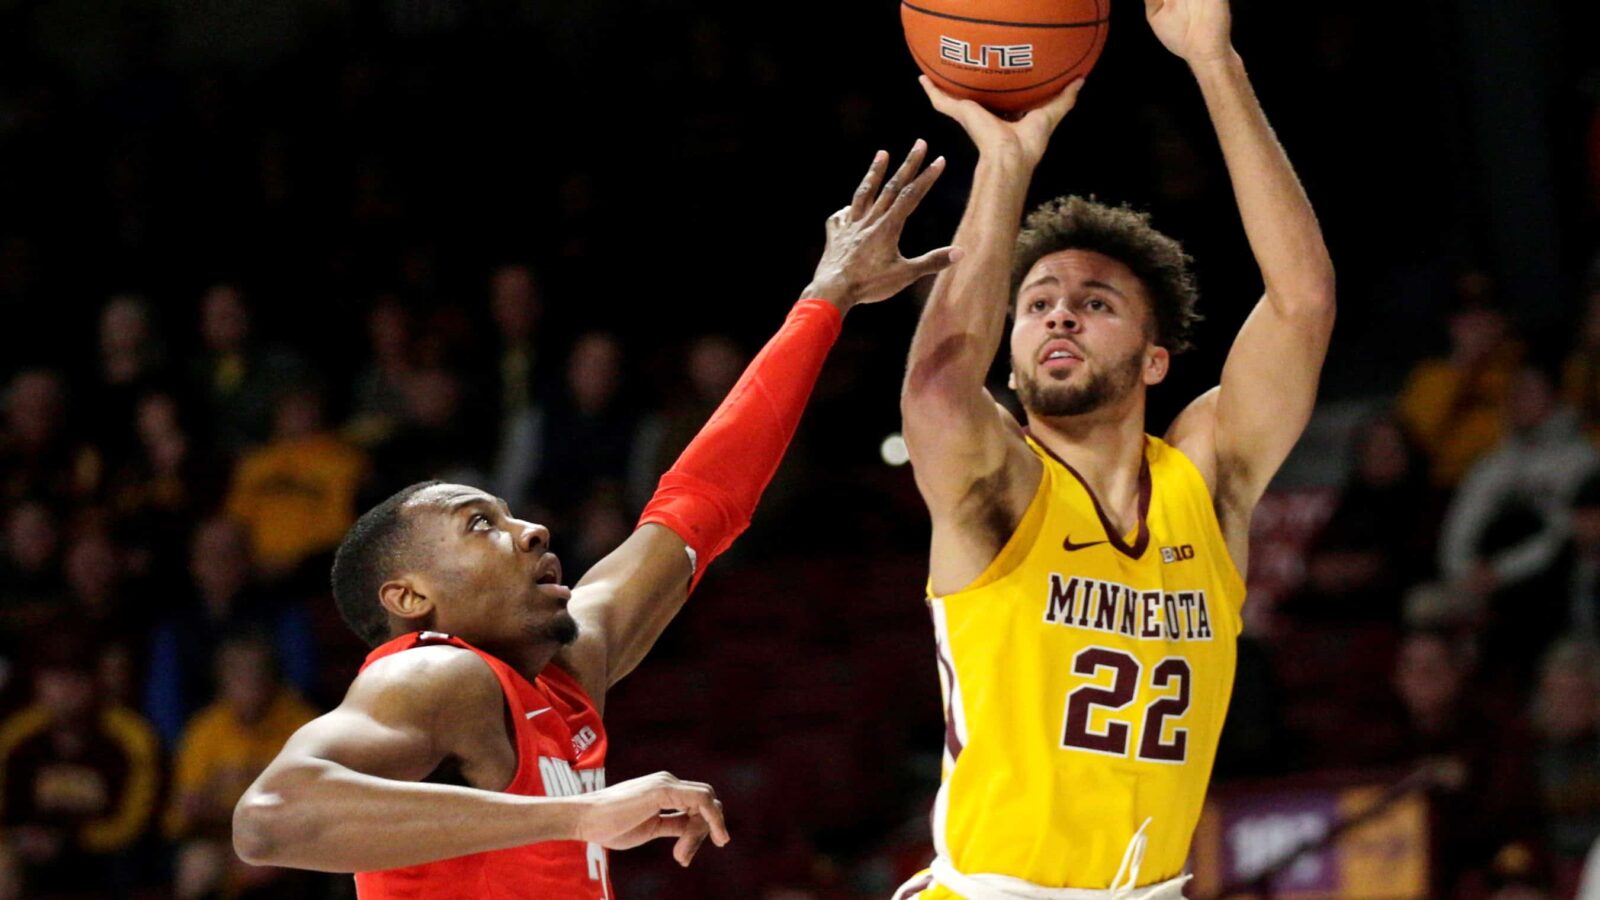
1069 546
536 712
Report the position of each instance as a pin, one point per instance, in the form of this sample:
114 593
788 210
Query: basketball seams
955 18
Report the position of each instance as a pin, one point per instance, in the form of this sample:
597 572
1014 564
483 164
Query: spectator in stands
1453 406
1580 377
516 308
429 443
378 402
1511 518
238 378
588 434
131 360
1379 538
225 600
1472 760
161 487
223 749
1581 578
81 780
31 586
297 495
39 457
1566 759
712 365
97 578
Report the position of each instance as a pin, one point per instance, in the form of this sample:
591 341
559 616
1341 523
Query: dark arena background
261 263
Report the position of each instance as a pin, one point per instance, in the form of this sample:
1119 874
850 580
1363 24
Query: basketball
1009 55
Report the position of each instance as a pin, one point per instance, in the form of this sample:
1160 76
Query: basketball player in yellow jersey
1086 578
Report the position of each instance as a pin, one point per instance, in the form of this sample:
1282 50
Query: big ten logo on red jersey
562 780
986 56
584 739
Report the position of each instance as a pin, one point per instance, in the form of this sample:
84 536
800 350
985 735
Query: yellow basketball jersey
1086 677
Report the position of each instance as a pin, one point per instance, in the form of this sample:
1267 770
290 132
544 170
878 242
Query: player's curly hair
1126 235
368 556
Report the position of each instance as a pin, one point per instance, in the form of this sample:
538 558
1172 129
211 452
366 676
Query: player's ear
1156 363
403 598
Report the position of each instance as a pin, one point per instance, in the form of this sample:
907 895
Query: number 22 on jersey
1171 677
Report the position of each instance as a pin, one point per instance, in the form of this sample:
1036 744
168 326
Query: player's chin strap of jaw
1003 887
709 494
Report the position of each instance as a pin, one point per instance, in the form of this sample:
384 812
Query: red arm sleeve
709 494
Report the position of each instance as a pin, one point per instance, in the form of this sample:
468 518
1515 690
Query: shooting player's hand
1024 140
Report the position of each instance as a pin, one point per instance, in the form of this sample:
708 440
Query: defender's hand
628 814
1197 31
861 262
1023 140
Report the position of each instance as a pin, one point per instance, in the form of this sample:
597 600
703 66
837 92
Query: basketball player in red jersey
468 758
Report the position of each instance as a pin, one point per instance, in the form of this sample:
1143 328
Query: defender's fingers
701 800
869 184
935 261
911 195
902 177
689 843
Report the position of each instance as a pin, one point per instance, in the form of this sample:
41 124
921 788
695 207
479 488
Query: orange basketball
1009 55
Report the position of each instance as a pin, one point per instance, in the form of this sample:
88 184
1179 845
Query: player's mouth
548 577
1059 355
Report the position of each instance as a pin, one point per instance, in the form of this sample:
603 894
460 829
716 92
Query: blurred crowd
263 264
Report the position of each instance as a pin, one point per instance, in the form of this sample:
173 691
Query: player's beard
561 629
1047 397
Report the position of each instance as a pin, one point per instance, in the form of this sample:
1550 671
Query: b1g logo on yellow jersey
1177 554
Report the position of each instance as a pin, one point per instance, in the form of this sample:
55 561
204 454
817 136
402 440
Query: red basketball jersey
561 752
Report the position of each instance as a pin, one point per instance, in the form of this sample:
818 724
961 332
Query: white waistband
1004 887
984 886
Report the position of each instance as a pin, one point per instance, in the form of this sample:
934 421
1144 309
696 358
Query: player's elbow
256 829
269 821
944 369
933 395
1312 297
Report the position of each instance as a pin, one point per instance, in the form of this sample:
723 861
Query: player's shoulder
1192 438
433 677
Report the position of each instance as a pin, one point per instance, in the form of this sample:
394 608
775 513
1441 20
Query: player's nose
532 538
1061 320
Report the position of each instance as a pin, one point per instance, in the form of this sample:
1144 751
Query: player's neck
1106 447
528 659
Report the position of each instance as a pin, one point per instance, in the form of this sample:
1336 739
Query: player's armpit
977 476
624 603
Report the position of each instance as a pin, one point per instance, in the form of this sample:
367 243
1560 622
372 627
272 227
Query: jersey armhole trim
1211 510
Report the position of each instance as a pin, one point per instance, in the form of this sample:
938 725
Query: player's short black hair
366 558
1126 235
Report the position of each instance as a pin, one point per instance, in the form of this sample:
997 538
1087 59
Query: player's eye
1036 305
479 522
1096 304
